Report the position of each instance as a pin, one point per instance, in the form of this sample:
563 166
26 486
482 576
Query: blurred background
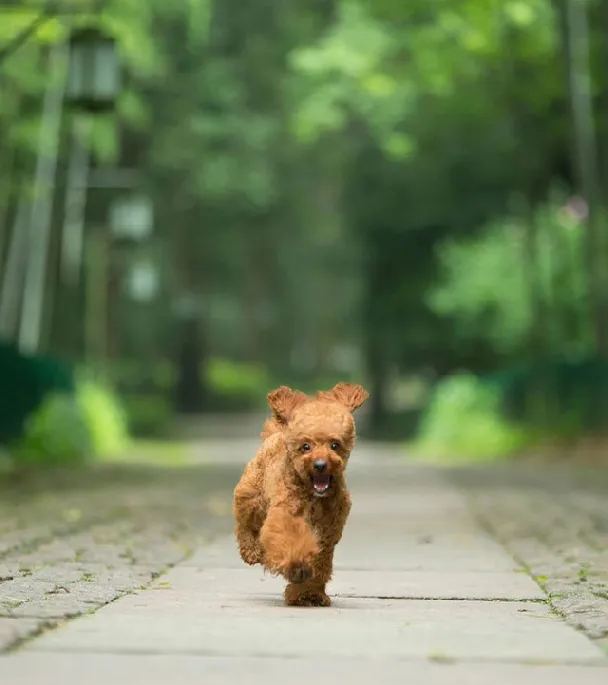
202 200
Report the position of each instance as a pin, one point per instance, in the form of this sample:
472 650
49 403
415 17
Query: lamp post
92 86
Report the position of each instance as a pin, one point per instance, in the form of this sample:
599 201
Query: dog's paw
252 554
298 572
295 596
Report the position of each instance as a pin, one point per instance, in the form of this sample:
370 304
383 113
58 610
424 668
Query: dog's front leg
312 593
290 547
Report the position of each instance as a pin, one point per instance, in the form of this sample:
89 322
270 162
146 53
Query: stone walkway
554 521
424 588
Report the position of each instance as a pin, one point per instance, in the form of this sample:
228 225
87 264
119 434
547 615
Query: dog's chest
319 516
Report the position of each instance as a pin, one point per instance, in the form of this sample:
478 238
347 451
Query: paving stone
21 589
52 606
14 629
100 669
74 550
9 571
415 533
393 630
555 521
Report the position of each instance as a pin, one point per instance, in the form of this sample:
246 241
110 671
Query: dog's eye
305 447
335 445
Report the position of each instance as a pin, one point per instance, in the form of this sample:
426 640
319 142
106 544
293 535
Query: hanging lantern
143 281
93 72
131 218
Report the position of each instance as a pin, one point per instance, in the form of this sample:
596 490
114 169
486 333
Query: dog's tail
271 427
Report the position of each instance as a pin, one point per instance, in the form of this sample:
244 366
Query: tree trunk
190 396
586 159
96 284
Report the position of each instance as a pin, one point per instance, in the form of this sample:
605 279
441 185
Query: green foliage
145 391
237 385
464 421
344 74
487 283
563 397
57 434
68 429
133 376
26 381
306 159
103 416
148 415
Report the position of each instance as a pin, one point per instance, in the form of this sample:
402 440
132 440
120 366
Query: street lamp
131 218
94 75
143 280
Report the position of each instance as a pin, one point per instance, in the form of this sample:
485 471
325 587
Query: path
422 591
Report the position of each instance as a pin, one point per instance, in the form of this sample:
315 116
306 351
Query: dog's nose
320 465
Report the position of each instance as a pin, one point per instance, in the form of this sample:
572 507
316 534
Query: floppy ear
284 401
350 395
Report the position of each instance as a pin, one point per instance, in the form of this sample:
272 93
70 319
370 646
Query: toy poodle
291 503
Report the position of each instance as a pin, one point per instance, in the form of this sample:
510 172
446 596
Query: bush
464 419
69 428
485 282
137 377
148 415
56 434
236 386
25 381
104 417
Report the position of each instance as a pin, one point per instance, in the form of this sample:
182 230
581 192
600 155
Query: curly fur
281 523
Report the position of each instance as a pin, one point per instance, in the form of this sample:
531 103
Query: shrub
56 434
103 416
464 419
148 415
236 385
68 428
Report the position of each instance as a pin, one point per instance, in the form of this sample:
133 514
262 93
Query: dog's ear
284 401
350 395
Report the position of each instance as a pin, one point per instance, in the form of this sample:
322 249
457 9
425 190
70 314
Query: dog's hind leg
249 516
290 547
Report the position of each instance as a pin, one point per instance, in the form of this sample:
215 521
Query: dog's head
319 431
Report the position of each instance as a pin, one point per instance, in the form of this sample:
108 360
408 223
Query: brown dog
291 503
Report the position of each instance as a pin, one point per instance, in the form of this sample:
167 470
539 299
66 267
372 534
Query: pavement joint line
533 546
431 658
426 598
488 528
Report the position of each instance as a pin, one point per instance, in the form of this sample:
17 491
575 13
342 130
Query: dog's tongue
321 481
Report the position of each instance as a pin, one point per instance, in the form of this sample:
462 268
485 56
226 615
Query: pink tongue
321 481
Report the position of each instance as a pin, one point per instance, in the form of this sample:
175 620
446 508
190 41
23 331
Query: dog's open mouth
321 483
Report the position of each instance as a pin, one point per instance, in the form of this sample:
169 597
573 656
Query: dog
291 503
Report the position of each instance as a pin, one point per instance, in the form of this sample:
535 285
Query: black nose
320 465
